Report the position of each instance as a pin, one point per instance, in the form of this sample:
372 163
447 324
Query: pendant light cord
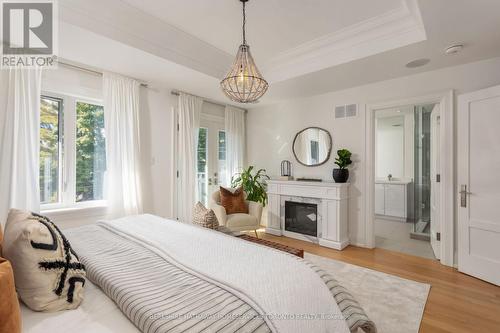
244 24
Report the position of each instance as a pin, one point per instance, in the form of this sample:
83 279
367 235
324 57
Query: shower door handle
463 195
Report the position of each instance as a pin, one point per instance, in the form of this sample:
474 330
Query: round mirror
312 146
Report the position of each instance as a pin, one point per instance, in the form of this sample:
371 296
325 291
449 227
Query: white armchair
238 221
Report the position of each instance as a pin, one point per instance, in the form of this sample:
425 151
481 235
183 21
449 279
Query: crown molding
129 25
397 28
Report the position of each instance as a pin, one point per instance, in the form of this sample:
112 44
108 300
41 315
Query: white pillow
47 272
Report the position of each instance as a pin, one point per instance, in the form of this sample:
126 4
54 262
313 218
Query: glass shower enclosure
422 172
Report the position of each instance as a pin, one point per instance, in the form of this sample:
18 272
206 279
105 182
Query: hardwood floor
457 302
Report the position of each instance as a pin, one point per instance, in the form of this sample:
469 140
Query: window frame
67 154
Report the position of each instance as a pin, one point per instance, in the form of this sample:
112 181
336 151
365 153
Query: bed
97 314
154 275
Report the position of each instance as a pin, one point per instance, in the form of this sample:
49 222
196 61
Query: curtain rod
177 93
93 71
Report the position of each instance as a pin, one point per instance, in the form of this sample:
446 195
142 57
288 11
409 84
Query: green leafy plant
343 160
254 184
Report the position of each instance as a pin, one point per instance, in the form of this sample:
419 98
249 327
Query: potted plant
343 160
254 184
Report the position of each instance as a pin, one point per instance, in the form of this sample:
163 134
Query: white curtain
235 141
121 122
189 124
19 139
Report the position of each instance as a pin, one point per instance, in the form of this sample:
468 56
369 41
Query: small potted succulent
343 160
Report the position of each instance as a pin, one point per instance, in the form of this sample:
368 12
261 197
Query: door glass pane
422 169
50 112
90 152
202 164
222 158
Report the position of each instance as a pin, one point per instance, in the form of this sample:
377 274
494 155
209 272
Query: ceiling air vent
346 111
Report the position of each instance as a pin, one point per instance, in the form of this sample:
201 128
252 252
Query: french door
478 178
211 157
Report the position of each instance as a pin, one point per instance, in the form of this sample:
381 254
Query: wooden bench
274 245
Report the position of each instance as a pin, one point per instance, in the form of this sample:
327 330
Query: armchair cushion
240 220
233 202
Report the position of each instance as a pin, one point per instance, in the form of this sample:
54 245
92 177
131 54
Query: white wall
271 128
409 142
72 82
390 147
157 148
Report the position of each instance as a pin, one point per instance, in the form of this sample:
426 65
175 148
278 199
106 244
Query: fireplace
301 217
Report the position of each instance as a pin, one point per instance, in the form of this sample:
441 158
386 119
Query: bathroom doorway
407 179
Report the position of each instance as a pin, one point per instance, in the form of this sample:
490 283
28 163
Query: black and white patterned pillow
47 272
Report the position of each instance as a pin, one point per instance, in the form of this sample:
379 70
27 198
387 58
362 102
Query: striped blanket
134 261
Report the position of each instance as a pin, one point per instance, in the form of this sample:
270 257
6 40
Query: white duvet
96 314
275 284
280 286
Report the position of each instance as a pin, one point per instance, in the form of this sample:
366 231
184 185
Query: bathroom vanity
393 199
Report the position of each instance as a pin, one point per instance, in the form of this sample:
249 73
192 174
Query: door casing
447 197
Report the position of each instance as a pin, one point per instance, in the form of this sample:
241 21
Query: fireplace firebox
301 218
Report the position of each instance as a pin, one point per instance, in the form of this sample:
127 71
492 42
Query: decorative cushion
233 201
1 238
204 217
10 316
47 272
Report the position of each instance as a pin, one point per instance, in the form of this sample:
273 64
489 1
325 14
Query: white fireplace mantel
332 201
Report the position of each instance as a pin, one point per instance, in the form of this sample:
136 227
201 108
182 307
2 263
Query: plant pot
340 175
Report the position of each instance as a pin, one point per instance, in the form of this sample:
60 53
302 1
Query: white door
478 147
435 182
211 156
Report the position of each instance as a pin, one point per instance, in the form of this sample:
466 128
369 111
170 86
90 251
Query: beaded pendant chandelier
244 83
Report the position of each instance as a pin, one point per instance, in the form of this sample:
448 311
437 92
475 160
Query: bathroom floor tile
395 236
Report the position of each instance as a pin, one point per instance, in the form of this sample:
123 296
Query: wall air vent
340 111
346 111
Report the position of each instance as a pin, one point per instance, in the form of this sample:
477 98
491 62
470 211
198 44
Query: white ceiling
303 47
273 26
290 38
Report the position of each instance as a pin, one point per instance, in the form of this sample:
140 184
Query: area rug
395 304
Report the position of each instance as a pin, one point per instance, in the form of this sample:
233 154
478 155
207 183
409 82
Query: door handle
463 195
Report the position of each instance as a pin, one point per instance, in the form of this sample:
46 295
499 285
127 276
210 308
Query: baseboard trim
274 232
333 245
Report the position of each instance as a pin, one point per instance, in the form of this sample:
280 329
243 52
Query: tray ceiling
273 26
360 45
288 38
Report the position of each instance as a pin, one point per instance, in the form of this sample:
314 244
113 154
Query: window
202 164
211 157
72 152
90 152
50 149
222 158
